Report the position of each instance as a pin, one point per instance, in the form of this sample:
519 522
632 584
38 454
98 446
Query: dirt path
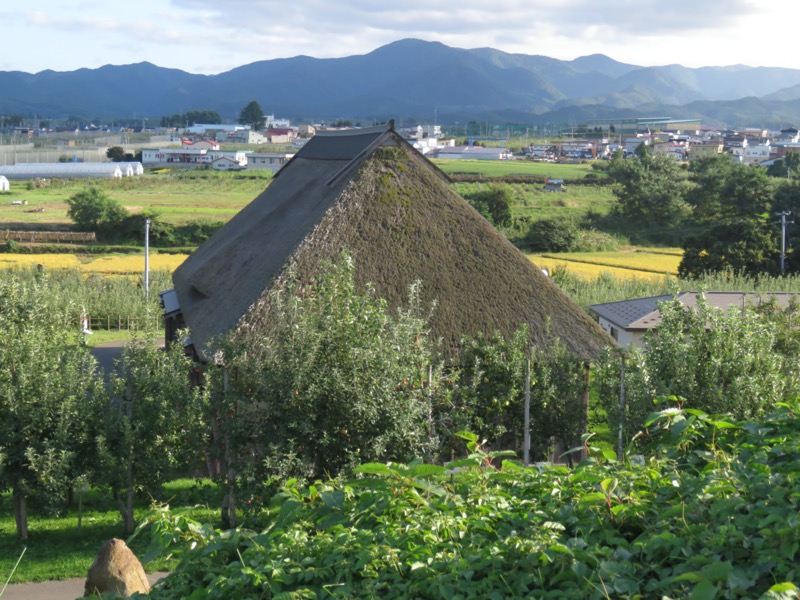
65 589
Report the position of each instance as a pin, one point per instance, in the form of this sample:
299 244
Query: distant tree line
725 214
191 117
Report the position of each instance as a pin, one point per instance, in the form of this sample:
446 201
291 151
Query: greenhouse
129 169
67 170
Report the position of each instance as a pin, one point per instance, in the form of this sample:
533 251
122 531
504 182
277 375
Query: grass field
498 168
184 196
57 549
531 201
178 199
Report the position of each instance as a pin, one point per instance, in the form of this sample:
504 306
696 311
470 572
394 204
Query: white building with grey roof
627 321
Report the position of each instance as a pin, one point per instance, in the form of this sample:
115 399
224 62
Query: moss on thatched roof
396 215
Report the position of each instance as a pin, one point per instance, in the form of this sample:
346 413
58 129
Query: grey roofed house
628 320
369 192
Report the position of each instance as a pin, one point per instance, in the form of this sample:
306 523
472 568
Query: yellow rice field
651 262
109 264
624 265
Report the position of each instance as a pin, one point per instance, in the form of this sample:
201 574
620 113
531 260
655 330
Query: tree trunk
229 508
229 501
21 513
125 506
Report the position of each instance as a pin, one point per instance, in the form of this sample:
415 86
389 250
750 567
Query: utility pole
147 258
784 225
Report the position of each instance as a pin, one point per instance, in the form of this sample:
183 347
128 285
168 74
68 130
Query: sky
213 36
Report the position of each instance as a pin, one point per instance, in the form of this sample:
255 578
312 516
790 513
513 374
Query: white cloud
205 36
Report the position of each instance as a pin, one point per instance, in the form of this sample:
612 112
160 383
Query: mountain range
418 80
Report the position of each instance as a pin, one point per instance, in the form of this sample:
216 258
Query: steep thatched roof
369 192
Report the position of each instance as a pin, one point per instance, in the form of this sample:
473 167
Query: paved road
65 589
107 354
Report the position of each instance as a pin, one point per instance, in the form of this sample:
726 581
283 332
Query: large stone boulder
116 569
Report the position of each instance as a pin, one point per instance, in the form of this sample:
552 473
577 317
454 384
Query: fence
120 323
48 237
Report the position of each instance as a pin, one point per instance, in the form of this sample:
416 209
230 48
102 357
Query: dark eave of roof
640 314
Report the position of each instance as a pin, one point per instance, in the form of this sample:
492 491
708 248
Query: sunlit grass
56 549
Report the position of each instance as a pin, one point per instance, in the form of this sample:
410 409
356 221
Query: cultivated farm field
113 264
179 198
624 263
184 196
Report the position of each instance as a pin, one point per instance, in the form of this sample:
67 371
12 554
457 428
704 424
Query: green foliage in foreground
710 512
740 362
58 548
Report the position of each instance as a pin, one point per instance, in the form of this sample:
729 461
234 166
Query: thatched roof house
368 191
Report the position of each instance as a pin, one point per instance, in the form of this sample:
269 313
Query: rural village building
4 185
281 135
189 156
245 136
369 192
226 163
267 160
201 144
306 131
706 148
627 321
474 153
214 129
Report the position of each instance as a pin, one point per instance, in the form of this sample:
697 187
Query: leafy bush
721 362
592 240
12 247
700 516
196 232
486 395
330 380
558 234
152 431
494 203
50 397
93 210
106 298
